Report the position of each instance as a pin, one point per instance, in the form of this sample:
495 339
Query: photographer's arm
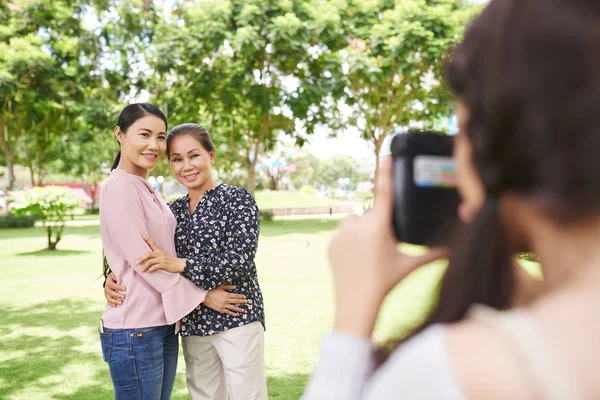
366 265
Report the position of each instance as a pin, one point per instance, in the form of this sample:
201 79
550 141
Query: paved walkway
86 222
96 222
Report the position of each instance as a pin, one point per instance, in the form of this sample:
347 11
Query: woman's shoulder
178 203
419 368
119 185
235 194
466 360
121 180
232 190
486 363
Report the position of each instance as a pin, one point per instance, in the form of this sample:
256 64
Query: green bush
52 206
308 189
92 211
266 215
12 221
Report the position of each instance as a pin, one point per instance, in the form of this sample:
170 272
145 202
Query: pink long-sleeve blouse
130 208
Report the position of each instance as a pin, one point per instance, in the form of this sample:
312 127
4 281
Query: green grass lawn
52 300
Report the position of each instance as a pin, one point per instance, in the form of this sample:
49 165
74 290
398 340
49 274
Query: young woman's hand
366 262
220 300
158 259
112 291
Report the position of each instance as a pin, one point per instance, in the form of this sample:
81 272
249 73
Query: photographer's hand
366 262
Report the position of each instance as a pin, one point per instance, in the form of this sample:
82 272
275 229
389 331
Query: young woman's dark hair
197 131
132 113
128 116
527 72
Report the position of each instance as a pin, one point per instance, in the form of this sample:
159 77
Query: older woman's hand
221 300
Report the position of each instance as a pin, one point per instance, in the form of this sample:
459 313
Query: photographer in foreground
528 89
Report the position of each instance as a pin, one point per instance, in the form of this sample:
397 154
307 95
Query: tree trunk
9 151
11 171
274 185
378 142
39 169
31 173
92 188
57 230
251 163
251 177
51 246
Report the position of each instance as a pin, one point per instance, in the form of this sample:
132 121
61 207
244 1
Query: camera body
425 196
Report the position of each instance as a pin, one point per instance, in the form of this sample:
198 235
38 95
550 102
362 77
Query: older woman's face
190 162
470 187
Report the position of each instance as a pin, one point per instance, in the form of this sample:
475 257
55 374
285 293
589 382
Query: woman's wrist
356 319
181 263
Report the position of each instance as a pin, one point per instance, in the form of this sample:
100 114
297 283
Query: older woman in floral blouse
216 240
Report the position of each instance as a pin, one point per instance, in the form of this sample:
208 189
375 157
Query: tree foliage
248 70
394 60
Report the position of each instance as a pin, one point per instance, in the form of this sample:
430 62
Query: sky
348 142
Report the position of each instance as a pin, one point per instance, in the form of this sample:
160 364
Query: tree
45 57
307 166
251 66
26 92
89 148
393 61
313 171
51 205
339 167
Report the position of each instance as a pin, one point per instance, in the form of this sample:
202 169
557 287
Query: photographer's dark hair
527 71
132 113
128 116
197 131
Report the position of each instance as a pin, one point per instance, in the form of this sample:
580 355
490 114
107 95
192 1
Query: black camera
425 196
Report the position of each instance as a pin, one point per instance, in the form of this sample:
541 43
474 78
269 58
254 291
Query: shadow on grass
54 253
286 387
91 392
37 359
19 233
303 226
64 315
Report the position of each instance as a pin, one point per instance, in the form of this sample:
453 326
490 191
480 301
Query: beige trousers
233 359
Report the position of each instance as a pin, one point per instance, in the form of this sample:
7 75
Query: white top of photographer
421 368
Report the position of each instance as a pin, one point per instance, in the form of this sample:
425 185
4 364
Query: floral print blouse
219 240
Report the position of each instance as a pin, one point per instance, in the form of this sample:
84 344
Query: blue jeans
142 362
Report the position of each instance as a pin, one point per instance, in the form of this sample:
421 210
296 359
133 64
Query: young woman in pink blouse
138 339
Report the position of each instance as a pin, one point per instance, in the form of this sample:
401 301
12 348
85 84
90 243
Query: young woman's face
143 143
190 162
470 187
